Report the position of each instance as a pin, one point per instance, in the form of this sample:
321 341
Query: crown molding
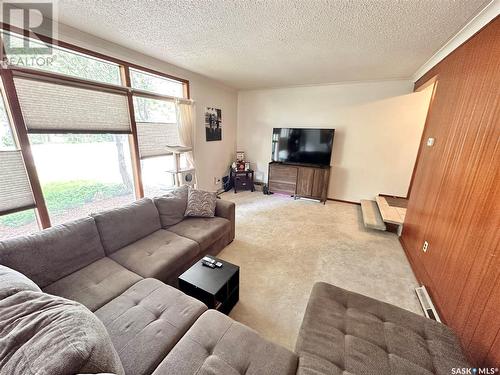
484 17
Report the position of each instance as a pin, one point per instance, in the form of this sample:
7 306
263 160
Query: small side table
218 288
242 180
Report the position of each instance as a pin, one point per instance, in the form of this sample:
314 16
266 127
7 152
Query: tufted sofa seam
142 329
222 360
383 321
92 286
135 304
160 318
100 283
386 348
316 356
427 348
146 296
212 349
222 336
217 239
432 369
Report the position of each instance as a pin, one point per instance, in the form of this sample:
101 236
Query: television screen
302 146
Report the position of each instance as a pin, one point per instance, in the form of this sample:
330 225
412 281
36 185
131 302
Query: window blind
154 137
15 189
58 108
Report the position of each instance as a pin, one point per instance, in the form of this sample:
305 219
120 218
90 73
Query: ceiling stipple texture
254 44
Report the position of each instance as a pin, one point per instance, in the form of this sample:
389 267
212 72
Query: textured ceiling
255 44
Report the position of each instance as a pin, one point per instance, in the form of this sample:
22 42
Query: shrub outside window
160 85
82 173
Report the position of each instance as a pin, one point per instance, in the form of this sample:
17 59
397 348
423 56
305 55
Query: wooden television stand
298 180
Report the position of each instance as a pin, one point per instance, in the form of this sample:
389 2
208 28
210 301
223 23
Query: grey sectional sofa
95 259
118 264
91 296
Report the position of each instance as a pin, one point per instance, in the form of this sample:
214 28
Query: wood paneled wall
454 203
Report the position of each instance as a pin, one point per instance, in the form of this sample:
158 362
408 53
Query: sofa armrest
226 209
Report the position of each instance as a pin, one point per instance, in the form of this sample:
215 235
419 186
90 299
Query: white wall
212 158
377 125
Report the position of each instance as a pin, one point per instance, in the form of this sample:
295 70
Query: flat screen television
302 145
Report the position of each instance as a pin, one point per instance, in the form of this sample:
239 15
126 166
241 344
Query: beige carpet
284 246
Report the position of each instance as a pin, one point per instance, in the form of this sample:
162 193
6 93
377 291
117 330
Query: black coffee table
218 288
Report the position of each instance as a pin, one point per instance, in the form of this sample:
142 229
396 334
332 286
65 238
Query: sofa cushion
216 344
158 255
146 321
172 206
44 334
124 225
12 282
203 230
96 284
53 253
201 203
345 332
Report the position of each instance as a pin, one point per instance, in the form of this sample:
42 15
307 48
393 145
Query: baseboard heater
426 303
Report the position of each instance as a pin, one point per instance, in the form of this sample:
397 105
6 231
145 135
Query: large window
24 221
6 137
159 85
155 176
156 129
79 133
17 224
66 62
154 110
82 173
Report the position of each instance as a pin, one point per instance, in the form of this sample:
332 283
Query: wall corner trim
484 17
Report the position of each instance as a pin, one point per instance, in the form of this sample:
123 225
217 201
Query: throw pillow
172 206
201 203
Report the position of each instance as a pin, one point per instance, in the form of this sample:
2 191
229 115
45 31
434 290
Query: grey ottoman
347 333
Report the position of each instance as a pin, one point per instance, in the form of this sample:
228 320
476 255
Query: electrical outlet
425 247
217 180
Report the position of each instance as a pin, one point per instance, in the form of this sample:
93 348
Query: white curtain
185 123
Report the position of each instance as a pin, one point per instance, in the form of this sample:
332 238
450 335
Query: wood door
282 178
305 181
283 173
318 183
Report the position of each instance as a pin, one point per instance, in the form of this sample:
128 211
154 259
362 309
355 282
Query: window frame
58 45
154 75
54 214
100 56
19 127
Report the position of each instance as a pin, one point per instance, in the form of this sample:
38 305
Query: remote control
208 264
208 260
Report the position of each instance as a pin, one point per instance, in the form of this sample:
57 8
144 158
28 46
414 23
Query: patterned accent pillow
201 203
